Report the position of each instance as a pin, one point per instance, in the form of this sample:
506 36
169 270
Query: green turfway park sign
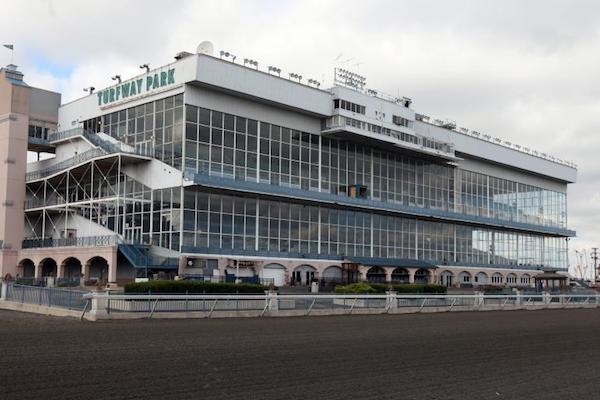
136 87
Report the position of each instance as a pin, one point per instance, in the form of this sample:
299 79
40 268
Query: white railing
106 305
451 125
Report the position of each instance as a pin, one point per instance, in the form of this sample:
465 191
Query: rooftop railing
451 125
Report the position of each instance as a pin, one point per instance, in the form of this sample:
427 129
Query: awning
550 276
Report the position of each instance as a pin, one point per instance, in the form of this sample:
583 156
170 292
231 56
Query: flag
9 46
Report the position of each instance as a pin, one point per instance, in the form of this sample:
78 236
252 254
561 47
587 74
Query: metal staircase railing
69 162
103 147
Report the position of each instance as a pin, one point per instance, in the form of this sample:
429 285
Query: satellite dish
205 47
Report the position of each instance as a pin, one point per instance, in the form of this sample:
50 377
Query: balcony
340 124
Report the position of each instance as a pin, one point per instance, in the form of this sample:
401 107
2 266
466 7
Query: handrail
143 296
69 162
104 240
103 147
66 134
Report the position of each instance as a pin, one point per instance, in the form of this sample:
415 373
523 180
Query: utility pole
594 257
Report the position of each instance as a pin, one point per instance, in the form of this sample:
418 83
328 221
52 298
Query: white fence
106 305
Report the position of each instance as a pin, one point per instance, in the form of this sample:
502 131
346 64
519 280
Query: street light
274 70
145 66
117 78
227 54
314 82
89 89
251 62
295 76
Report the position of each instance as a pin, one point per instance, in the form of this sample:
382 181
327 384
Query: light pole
595 258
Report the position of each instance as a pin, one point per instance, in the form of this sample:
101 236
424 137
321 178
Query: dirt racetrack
488 355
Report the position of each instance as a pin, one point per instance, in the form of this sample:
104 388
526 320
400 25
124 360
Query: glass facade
225 222
226 145
156 126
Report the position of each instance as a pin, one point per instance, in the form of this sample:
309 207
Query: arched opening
376 275
511 279
332 274
71 268
400 275
422 276
26 268
526 280
481 278
98 269
303 275
497 278
464 279
447 278
273 274
49 267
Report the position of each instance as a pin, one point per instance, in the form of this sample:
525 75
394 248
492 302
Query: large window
347 105
220 222
152 127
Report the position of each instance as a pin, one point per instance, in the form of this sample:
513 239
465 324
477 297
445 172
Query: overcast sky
525 71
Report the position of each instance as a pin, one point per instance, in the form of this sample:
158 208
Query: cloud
523 71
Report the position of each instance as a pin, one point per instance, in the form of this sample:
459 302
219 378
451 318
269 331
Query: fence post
49 297
22 294
546 298
391 302
518 298
273 301
107 302
4 291
186 300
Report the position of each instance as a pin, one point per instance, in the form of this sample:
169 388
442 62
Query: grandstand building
209 168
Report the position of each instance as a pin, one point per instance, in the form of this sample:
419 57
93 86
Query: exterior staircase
140 257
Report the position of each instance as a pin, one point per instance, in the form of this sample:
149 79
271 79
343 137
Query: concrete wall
83 226
44 105
154 174
483 167
14 122
498 154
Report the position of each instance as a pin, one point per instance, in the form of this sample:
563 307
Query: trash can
314 287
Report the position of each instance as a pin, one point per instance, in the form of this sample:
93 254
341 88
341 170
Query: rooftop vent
182 54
